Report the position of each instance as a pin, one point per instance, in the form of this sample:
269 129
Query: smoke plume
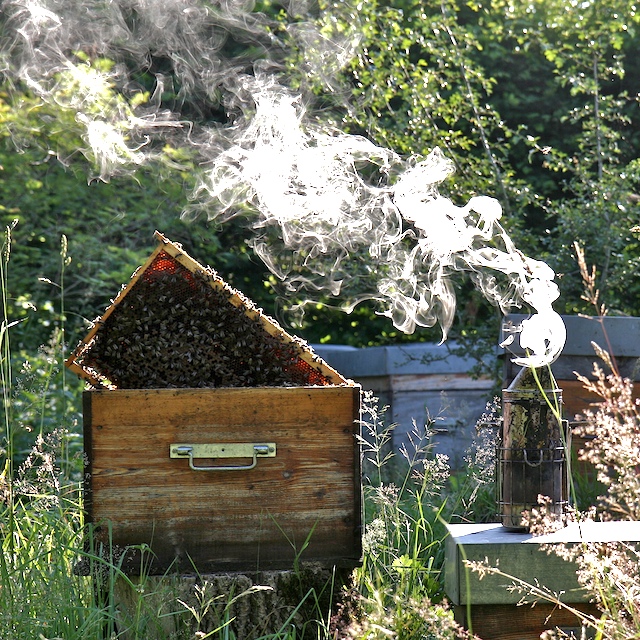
332 212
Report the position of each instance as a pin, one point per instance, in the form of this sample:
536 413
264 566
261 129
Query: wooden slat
231 519
576 399
525 622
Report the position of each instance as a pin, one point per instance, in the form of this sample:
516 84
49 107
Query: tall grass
39 589
607 571
6 485
40 510
399 584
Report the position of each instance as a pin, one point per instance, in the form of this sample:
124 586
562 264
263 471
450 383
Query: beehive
211 434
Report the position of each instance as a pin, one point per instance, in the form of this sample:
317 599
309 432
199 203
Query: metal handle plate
250 450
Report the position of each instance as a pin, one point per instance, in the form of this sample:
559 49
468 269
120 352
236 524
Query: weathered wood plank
312 483
232 406
525 622
577 399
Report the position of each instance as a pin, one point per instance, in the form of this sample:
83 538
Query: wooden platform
494 610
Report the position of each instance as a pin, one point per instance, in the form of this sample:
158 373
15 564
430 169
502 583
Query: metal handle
533 464
230 450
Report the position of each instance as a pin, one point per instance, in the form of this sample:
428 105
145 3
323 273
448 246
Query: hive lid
178 324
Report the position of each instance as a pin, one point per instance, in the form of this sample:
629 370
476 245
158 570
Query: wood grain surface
227 520
524 622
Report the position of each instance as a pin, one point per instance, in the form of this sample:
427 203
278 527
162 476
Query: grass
41 538
399 584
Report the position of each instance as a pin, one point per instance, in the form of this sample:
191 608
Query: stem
600 166
64 261
557 414
6 380
596 116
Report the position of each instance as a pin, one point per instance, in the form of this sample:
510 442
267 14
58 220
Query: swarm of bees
173 329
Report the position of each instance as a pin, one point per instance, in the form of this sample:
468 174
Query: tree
532 102
415 82
591 46
108 226
535 102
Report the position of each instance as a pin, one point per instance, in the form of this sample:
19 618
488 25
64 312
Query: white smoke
352 218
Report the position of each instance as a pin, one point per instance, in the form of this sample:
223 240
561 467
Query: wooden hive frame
326 375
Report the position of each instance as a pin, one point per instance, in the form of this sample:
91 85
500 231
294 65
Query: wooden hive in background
211 434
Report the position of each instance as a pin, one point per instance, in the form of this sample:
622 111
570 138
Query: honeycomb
176 327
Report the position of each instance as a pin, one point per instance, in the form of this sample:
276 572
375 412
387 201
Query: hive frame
235 297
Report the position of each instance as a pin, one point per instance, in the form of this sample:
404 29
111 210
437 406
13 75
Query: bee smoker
534 448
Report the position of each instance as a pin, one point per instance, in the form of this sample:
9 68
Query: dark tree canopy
534 103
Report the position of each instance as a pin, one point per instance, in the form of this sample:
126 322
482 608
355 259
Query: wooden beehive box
211 435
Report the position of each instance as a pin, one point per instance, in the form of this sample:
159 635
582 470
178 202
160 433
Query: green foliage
38 553
413 82
45 402
534 102
109 227
417 85
400 576
588 45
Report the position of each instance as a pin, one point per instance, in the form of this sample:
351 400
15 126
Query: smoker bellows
211 434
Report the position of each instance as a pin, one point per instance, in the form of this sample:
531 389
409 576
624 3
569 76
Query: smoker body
533 455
